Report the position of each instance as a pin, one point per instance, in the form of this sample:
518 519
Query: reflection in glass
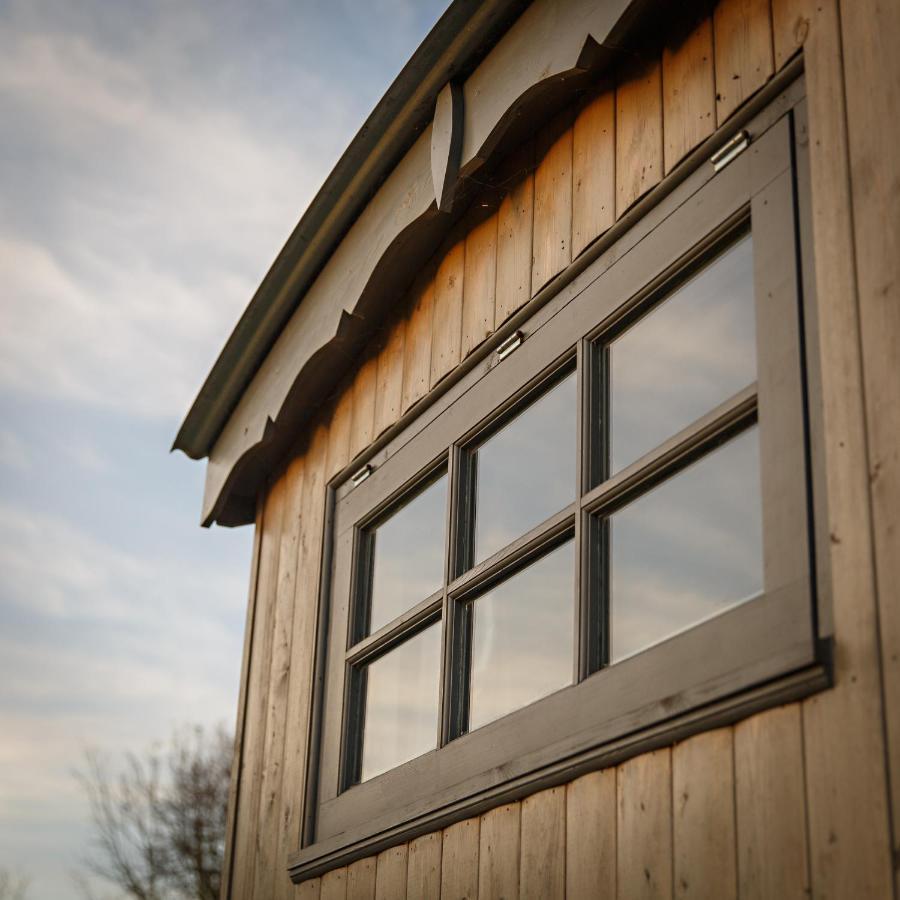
688 549
522 637
683 358
526 471
402 703
409 555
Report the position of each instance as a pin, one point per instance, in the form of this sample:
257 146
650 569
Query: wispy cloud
166 187
155 239
82 577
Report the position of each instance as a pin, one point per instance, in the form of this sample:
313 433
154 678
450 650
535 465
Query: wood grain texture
253 754
389 380
843 727
744 56
498 856
423 875
480 277
591 836
361 879
309 890
689 93
703 817
310 513
639 133
232 822
552 249
362 423
390 882
871 35
417 346
447 322
644 827
339 432
515 230
771 819
593 170
334 885
268 862
851 814
459 861
790 26
542 872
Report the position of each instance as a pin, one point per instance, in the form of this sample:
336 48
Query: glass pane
686 356
522 637
688 549
409 555
526 471
402 703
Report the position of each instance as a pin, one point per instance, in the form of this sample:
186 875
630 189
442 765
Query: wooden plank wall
791 803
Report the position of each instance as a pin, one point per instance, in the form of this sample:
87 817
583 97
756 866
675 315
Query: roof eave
461 37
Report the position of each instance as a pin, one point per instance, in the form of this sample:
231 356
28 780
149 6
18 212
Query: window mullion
456 535
396 631
583 446
594 445
727 419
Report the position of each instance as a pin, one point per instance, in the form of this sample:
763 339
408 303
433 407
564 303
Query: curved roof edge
460 39
306 317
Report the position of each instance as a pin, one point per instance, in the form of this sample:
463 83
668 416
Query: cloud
53 568
14 452
100 647
87 456
130 249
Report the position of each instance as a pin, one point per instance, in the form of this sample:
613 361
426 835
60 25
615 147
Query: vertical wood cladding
703 817
792 802
498 853
639 132
870 35
689 93
593 170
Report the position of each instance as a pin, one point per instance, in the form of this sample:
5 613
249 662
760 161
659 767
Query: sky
155 155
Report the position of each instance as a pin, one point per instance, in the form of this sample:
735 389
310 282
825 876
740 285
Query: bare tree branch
13 886
159 827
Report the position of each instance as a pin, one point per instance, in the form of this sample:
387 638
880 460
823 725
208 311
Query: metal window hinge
359 477
734 148
510 344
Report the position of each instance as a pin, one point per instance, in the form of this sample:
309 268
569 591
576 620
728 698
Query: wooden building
568 421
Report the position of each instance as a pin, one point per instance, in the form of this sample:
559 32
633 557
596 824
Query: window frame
787 657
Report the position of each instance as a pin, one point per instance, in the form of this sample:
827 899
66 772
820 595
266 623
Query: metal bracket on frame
357 478
731 150
510 344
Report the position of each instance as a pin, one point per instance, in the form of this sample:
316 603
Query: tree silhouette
159 824
12 886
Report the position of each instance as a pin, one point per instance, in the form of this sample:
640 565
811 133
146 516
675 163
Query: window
598 542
